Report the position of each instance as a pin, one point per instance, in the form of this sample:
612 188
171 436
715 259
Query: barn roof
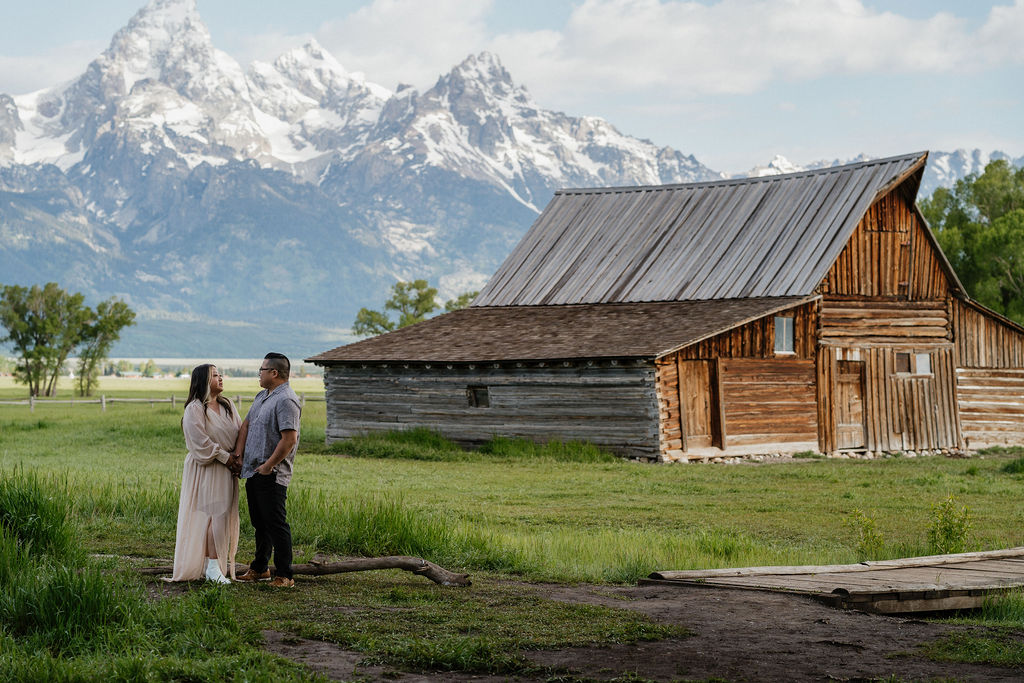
729 239
574 332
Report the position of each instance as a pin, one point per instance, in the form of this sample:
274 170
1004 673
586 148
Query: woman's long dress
209 493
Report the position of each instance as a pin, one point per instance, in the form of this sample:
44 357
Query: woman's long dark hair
199 389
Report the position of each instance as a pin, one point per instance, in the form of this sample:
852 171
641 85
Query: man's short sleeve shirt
270 414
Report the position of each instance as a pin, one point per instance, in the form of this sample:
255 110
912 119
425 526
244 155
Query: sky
733 82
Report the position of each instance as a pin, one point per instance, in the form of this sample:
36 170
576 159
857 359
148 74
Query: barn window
784 334
478 397
922 363
902 362
913 363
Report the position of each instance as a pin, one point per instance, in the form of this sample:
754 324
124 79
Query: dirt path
737 636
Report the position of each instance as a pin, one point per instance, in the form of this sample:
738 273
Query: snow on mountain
170 176
777 166
943 169
477 122
309 106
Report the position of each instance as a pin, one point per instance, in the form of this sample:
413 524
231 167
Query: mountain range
238 210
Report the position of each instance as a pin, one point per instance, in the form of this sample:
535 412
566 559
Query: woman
207 537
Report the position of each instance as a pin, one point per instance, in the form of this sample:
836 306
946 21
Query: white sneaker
213 572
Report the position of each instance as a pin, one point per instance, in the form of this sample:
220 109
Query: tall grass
35 515
62 618
381 526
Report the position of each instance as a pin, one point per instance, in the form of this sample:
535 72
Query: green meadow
512 510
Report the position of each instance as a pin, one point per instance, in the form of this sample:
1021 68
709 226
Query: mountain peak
483 66
158 26
314 68
777 166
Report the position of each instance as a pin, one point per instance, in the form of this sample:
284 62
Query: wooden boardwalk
915 584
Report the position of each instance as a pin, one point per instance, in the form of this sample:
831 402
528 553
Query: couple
259 449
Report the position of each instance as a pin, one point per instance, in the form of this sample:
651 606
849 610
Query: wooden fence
102 401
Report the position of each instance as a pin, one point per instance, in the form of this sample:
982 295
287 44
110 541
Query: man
265 452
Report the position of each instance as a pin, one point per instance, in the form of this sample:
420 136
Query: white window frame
785 343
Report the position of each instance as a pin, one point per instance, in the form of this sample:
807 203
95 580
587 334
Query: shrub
869 539
1014 466
950 527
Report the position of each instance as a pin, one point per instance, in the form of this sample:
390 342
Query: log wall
888 255
901 411
990 377
984 341
770 401
876 322
991 406
754 397
757 339
611 405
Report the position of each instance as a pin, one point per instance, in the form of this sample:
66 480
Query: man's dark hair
279 362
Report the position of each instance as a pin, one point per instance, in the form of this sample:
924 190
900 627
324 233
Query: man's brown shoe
282 582
250 575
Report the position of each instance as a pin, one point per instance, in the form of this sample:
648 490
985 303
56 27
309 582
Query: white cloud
1002 34
24 74
407 41
687 48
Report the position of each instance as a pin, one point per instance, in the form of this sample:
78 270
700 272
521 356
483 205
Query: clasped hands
234 464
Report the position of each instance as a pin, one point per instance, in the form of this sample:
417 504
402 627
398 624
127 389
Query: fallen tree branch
416 565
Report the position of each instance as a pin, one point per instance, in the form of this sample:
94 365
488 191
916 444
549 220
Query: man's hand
265 469
235 464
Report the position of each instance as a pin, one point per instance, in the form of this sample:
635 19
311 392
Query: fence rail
102 401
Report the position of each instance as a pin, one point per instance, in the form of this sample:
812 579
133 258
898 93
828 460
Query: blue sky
733 82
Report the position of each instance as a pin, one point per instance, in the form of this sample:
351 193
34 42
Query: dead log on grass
416 565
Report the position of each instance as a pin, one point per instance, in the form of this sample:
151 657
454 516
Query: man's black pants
266 499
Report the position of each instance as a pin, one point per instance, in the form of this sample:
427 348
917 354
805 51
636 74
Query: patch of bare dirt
741 635
344 665
737 635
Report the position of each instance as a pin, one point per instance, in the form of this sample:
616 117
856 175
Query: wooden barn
808 311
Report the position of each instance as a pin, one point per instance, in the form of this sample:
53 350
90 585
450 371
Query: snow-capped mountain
171 176
943 169
777 166
239 208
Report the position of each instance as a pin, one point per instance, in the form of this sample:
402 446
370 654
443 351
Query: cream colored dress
209 493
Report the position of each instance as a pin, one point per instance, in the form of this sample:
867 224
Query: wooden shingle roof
544 333
754 237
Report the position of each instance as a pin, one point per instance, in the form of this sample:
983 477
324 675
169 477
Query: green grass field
563 514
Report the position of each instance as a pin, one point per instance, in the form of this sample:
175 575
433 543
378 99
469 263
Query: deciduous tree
413 301
44 324
980 225
100 333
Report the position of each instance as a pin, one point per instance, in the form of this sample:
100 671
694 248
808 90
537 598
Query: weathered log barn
808 311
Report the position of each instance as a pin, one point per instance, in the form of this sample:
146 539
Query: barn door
697 405
849 402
